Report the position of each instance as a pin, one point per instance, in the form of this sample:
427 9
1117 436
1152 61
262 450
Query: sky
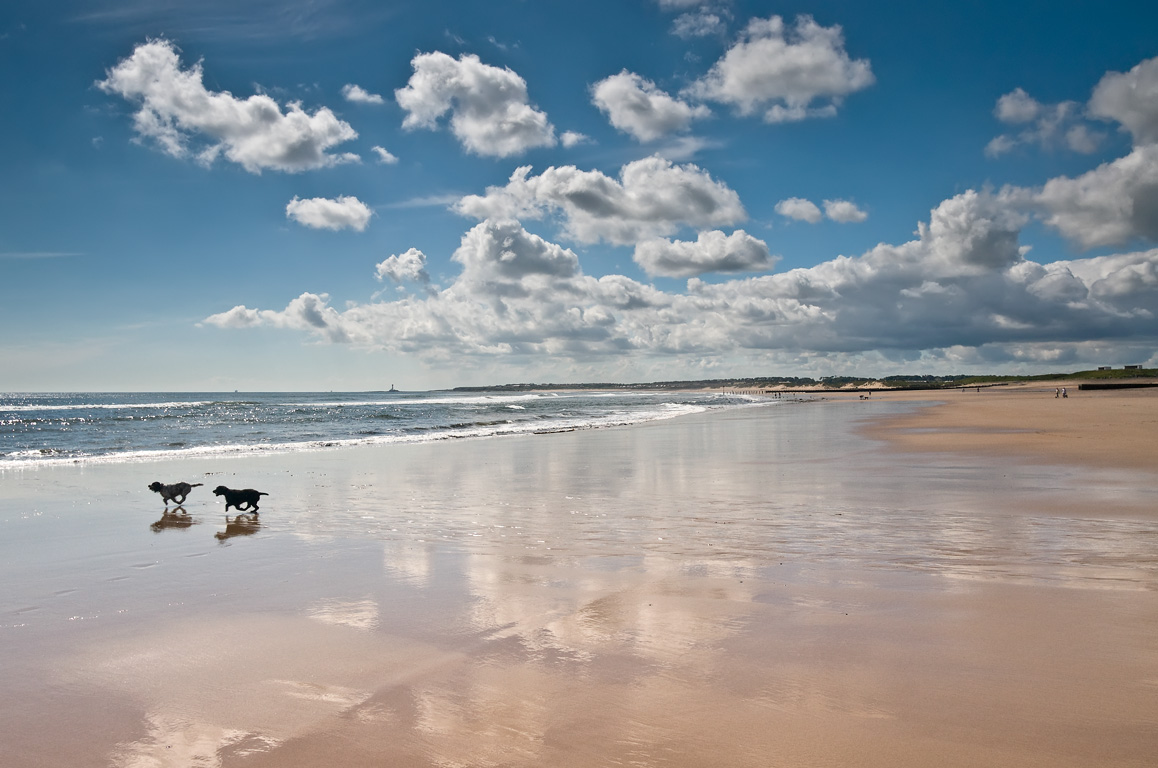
351 194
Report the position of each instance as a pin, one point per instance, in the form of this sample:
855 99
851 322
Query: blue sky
340 194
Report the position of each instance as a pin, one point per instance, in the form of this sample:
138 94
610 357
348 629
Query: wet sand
783 585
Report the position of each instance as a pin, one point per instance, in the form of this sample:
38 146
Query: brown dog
172 492
245 500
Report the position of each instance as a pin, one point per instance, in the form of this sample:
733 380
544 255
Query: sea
45 429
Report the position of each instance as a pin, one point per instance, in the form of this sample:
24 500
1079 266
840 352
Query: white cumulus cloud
1110 205
1047 126
1017 106
651 198
409 266
360 95
489 111
800 209
712 251
638 107
963 290
184 118
309 312
1130 98
844 211
1116 203
788 73
324 213
573 139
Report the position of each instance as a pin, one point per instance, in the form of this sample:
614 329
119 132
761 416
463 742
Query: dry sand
1104 428
772 587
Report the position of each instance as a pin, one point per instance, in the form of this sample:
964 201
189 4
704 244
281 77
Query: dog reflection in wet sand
241 525
177 518
244 500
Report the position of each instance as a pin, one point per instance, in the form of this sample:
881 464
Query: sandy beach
880 582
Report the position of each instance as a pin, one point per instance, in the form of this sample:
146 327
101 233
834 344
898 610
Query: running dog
244 500
175 493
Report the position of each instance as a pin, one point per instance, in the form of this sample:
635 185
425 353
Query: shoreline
412 421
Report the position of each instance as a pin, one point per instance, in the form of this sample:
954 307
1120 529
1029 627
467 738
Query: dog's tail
262 493
194 485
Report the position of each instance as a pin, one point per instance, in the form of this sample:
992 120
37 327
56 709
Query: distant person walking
1064 392
1056 392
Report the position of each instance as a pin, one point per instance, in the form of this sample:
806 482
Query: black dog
171 492
245 500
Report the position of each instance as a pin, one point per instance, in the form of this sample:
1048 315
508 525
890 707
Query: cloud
384 157
1017 106
844 212
651 198
1131 99
999 145
183 118
517 294
404 267
701 23
324 213
446 200
841 211
681 148
1116 203
309 312
783 71
961 291
489 113
359 95
678 5
573 139
637 107
800 209
712 251
969 234
1110 205
1048 126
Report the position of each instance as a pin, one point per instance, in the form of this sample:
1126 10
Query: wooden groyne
1118 384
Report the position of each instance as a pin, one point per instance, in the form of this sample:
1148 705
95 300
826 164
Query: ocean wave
23 407
31 459
440 400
